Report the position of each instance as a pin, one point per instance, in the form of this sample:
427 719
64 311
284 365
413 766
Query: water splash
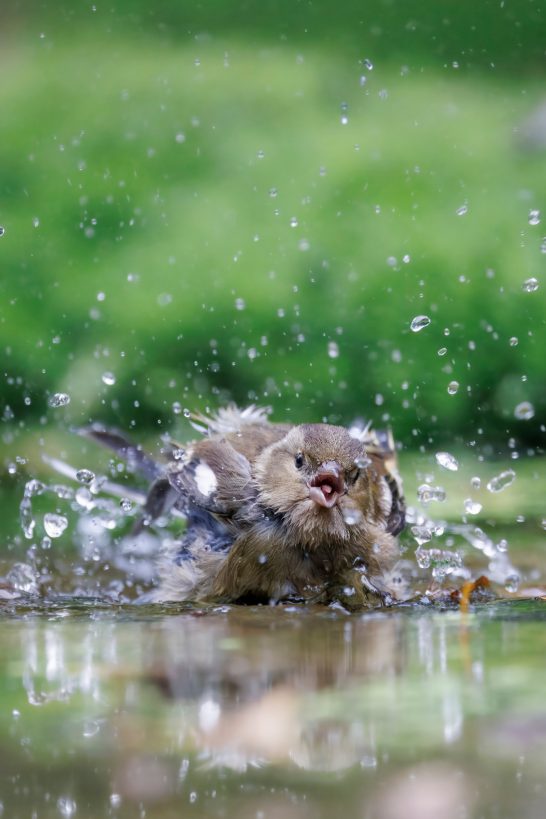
58 399
447 460
419 323
501 481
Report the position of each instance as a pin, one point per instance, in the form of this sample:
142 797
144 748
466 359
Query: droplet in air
534 217
367 64
524 411
108 378
54 524
351 516
453 387
240 304
530 285
422 534
85 476
447 460
23 578
125 505
363 461
501 481
26 518
475 482
462 211
511 584
442 351
293 222
66 807
333 349
58 399
542 245
472 507
427 493
513 342
2 230
419 323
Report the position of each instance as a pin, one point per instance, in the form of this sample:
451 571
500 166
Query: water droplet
367 64
501 481
543 245
422 534
115 800
524 411
240 304
125 505
186 413
54 524
462 211
66 806
419 323
85 476
453 387
293 222
180 138
35 222
108 378
333 349
442 561
59 399
530 285
472 507
2 230
534 217
447 461
442 351
502 545
178 454
363 461
511 584
427 493
475 482
26 518
23 578
33 488
513 342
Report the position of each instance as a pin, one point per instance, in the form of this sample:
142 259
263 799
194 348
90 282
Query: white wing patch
205 479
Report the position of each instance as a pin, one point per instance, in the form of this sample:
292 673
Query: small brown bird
276 511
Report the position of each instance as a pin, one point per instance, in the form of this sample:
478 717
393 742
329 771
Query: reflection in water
213 710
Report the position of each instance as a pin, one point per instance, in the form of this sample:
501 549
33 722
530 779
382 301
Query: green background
251 202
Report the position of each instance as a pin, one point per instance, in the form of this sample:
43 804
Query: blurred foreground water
111 710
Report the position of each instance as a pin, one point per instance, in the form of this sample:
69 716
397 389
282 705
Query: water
169 711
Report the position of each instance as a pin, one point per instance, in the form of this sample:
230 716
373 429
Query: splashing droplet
333 349
363 461
59 399
54 524
511 584
66 807
501 481
419 323
530 285
462 211
534 217
108 378
427 493
472 507
125 505
453 387
85 476
240 304
23 578
422 534
447 460
524 411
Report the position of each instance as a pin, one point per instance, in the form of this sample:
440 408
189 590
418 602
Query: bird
275 511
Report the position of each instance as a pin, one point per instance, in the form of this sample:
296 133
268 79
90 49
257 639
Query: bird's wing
380 446
133 454
214 477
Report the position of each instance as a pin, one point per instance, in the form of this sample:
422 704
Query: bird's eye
298 460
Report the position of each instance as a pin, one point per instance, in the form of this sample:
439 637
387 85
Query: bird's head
309 477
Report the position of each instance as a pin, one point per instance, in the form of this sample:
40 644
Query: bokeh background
204 202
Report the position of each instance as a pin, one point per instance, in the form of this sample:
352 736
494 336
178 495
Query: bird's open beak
327 485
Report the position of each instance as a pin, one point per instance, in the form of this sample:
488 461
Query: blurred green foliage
217 204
